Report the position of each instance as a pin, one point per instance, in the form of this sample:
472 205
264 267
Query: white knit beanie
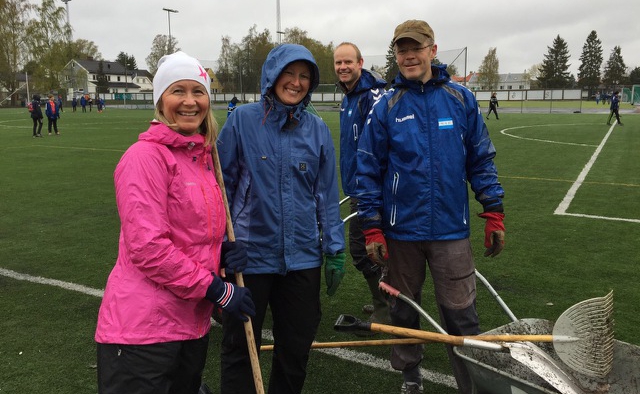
176 67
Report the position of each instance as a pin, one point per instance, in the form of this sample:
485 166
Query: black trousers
614 112
294 300
53 122
494 110
37 126
162 368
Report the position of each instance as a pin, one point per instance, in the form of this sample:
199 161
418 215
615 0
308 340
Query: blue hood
278 59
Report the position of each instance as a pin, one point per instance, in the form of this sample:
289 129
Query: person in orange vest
53 113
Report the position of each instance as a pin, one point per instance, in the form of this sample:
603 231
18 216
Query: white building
510 81
82 77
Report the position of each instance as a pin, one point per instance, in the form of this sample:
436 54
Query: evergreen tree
634 76
488 75
591 60
615 70
102 85
128 61
554 71
391 66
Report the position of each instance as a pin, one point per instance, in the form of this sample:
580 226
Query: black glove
234 299
233 256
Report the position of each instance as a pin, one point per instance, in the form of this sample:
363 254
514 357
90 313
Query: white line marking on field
349 355
568 198
378 363
505 132
52 282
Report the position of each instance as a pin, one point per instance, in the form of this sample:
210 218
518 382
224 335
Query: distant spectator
493 106
615 105
53 113
36 116
74 103
83 103
232 105
60 103
99 104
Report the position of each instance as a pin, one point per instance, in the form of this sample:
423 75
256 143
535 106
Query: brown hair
354 46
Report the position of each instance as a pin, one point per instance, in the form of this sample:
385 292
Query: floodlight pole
169 11
66 3
278 28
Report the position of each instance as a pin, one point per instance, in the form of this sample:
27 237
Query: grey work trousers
453 273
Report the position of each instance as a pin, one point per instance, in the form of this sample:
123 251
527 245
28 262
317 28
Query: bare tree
13 49
159 48
488 76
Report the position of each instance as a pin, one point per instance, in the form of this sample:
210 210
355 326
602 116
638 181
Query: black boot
380 304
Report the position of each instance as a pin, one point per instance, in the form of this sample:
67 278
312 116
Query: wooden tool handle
248 328
371 342
458 340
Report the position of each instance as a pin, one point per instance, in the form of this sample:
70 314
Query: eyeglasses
416 50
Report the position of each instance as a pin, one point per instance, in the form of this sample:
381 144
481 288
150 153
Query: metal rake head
591 321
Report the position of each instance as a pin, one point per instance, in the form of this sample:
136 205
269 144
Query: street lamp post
66 3
169 11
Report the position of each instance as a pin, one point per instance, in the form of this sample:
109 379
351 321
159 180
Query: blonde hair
208 127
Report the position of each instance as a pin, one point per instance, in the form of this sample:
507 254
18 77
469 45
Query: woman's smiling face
293 83
185 103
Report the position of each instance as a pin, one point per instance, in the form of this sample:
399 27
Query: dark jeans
54 123
162 368
614 112
294 300
37 125
453 273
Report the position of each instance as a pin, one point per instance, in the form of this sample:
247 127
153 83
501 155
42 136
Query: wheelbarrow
589 352
499 373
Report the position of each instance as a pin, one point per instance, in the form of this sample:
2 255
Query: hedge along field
59 230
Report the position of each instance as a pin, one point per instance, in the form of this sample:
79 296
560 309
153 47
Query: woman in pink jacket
153 324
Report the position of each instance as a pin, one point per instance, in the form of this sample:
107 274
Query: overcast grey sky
520 30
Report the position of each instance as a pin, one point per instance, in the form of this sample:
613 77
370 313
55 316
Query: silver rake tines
591 321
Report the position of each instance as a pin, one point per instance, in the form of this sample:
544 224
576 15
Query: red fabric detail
495 222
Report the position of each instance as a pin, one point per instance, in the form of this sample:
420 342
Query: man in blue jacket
361 88
424 142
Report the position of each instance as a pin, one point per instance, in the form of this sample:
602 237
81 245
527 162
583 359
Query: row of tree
553 72
37 40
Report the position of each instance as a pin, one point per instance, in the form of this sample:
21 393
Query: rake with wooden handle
248 328
582 336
